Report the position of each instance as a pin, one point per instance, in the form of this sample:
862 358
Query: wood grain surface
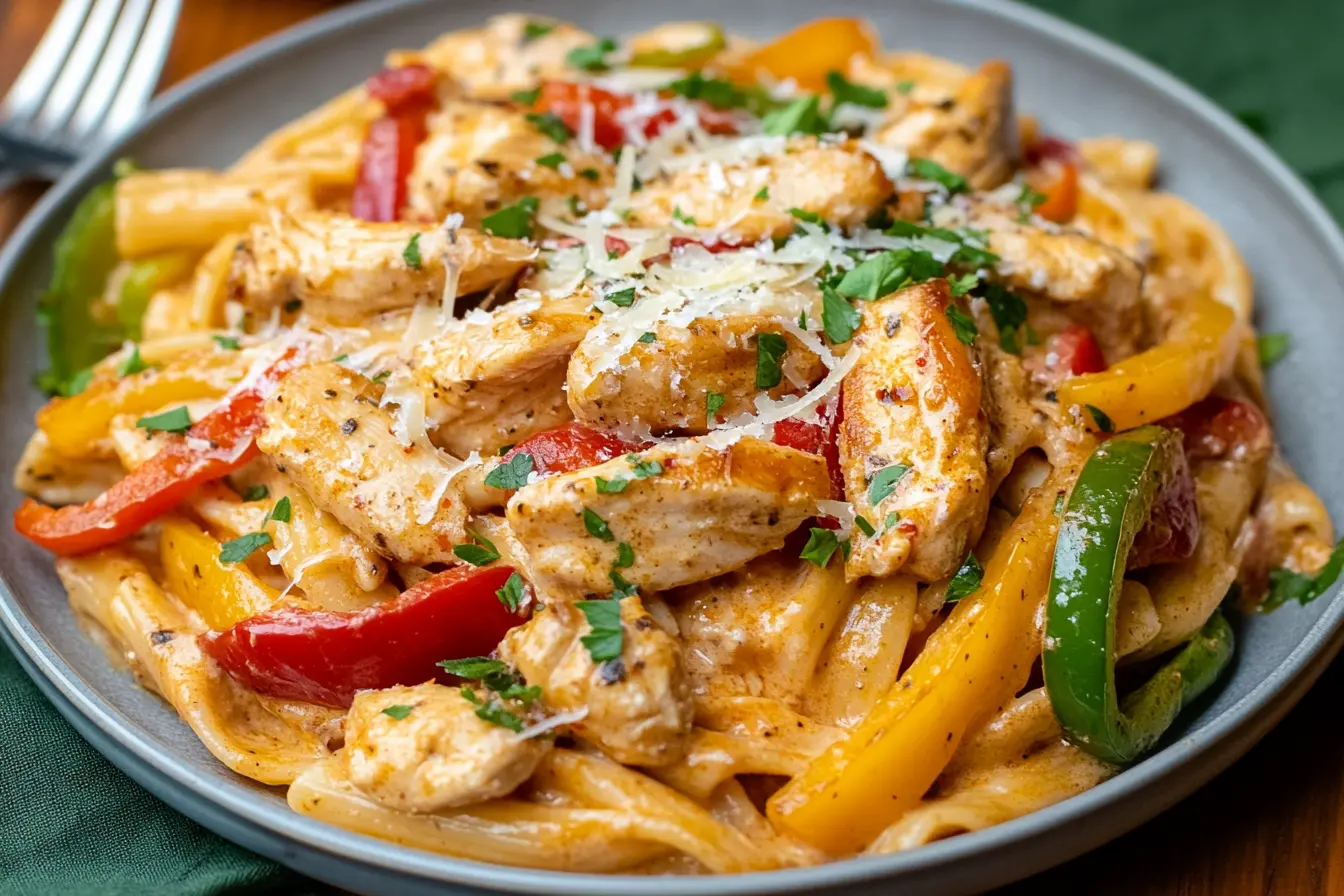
1273 824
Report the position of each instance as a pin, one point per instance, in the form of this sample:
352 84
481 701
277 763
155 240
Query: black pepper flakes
349 426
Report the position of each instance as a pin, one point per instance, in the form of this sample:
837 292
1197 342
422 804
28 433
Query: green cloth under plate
97 832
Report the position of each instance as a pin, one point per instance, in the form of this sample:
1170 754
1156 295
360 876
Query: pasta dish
670 454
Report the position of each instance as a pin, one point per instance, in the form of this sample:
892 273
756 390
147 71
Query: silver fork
91 75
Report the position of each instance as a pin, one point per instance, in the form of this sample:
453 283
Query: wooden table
1272 825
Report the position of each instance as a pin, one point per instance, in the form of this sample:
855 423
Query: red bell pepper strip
388 154
1076 351
566 101
1050 148
221 442
821 438
1217 427
324 657
570 447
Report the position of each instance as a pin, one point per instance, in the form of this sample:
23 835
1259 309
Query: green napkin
1280 68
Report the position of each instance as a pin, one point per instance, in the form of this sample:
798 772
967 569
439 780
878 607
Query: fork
91 75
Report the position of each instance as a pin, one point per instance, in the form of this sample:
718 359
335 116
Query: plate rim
1163 779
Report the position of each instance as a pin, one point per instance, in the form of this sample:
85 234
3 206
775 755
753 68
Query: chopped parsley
625 556
1273 348
511 594
228 343
1286 585
966 580
762 194
381 376
551 160
480 551
604 642
928 169
596 526
803 214
884 482
256 493
643 468
241 548
512 473
177 420
1103 421
533 29
963 325
864 526
551 125
838 317
821 545
512 221
526 97
713 404
802 116
890 522
845 91
904 87
646 338
681 216
282 512
1010 316
411 254
78 383
722 94
492 711
589 174
593 57
620 588
133 363
884 273
398 711
770 348
611 486
621 298
962 284
1028 200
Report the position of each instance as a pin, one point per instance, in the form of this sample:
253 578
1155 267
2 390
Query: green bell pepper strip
146 277
1109 503
695 50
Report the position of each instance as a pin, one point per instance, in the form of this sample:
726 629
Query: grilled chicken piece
498 59
55 479
974 133
480 157
664 383
707 512
1121 162
914 399
496 378
1101 284
638 706
440 755
841 184
324 429
759 631
344 270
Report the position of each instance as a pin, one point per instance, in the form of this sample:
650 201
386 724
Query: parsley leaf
177 420
643 468
960 285
282 512
966 580
256 493
1010 315
604 642
803 214
722 94
133 363
512 473
884 482
398 712
411 254
904 87
845 91
802 116
611 486
681 216
381 376
511 594
593 57
713 404
625 556
491 711
620 588
77 383
821 544
884 273
621 298
533 29
1103 421
864 526
963 324
474 667
526 97
646 338
928 169
1273 348
1286 585
551 160
770 347
551 125
228 343
762 194
241 548
480 552
512 221
838 317
596 526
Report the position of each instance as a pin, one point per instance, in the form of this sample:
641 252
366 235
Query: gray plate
1077 83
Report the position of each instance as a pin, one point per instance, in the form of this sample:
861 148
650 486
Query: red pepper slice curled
570 447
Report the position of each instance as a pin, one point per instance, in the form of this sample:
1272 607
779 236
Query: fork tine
111 69
44 65
77 67
146 65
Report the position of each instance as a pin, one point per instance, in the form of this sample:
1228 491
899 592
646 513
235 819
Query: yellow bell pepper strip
1113 498
145 278
808 53
1166 379
73 424
684 45
222 593
971 666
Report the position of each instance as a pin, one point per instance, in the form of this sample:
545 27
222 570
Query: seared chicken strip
841 184
495 379
479 157
439 755
913 401
639 706
688 512
974 133
344 270
664 383
495 61
324 429
1121 162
